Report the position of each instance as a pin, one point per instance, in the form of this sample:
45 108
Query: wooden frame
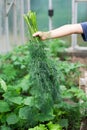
74 45
8 5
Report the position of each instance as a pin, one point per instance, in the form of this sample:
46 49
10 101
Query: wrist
47 35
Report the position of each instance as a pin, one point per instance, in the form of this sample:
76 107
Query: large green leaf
29 114
4 107
12 119
4 128
9 72
24 112
17 100
24 84
29 101
40 127
45 117
3 84
52 126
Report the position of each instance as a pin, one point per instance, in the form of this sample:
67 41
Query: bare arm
60 32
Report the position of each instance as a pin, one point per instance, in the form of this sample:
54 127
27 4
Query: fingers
37 34
42 35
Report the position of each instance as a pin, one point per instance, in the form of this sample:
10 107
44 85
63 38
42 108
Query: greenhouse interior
43 65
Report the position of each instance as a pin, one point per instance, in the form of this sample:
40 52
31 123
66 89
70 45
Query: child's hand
42 35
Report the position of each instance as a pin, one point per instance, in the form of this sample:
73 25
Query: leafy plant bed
19 109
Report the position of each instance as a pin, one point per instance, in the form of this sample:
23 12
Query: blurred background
13 29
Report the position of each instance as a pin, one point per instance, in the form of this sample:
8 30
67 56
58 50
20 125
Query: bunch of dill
44 86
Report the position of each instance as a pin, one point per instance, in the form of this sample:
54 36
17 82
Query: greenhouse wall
62 15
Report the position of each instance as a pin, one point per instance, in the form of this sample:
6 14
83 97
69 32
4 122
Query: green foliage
40 127
4 107
3 85
12 118
72 108
11 63
23 106
43 75
52 126
69 73
56 47
5 128
49 126
30 19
